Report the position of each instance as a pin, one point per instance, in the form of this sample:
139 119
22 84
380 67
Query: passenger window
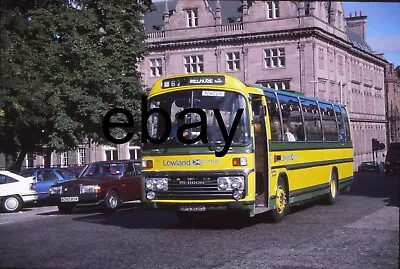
39 176
129 169
339 118
312 120
346 124
274 117
328 122
293 127
48 175
6 179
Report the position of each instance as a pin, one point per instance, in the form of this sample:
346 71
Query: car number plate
193 208
69 199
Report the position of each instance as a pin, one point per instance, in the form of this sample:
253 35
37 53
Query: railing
220 28
155 34
231 27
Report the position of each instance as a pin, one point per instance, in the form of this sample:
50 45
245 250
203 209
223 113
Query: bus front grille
193 188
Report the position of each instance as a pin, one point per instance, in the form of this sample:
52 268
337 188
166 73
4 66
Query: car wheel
11 204
65 209
281 202
111 201
333 189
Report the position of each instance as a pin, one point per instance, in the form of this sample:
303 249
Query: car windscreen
103 170
66 174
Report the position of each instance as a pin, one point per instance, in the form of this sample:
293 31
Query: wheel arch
336 171
284 177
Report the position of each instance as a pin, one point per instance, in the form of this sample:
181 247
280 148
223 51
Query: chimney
166 12
357 24
218 13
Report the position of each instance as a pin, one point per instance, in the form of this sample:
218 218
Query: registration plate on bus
193 208
69 199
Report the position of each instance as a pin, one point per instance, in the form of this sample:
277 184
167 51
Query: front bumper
85 199
247 205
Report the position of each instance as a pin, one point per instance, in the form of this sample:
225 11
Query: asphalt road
360 231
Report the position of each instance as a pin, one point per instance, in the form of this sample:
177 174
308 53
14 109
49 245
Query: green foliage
63 68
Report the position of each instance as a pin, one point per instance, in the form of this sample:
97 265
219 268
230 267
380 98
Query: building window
156 67
135 153
64 159
30 160
274 57
272 9
81 156
194 64
331 59
275 84
111 154
192 18
341 69
321 58
233 61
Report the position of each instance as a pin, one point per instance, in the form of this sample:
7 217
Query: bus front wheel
281 202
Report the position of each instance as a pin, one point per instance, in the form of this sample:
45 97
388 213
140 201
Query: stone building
306 46
392 88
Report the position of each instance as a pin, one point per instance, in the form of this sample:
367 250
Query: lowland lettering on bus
107 125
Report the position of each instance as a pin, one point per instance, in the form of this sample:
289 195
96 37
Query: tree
63 66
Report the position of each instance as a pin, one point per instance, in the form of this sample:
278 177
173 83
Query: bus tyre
333 189
281 202
111 202
65 209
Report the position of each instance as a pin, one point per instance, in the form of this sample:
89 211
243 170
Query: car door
132 176
45 179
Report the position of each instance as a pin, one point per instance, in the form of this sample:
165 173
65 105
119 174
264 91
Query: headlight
159 184
223 183
55 190
150 184
150 195
230 183
237 183
162 184
90 188
237 194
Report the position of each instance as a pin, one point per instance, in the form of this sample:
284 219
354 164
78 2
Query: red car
109 183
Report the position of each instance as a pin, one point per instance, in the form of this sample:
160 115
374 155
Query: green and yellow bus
253 150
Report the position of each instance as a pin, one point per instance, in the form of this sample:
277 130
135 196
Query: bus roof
183 80
295 94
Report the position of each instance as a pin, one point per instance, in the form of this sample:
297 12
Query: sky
383 26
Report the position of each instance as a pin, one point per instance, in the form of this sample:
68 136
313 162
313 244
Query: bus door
260 149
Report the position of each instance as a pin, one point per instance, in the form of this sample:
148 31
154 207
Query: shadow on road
140 218
376 185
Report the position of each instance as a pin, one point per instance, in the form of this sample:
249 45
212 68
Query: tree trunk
14 162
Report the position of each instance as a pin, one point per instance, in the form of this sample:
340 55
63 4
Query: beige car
15 190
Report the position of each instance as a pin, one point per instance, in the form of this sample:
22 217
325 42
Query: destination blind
192 80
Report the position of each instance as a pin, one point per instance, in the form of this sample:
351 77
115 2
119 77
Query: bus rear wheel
281 202
333 188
